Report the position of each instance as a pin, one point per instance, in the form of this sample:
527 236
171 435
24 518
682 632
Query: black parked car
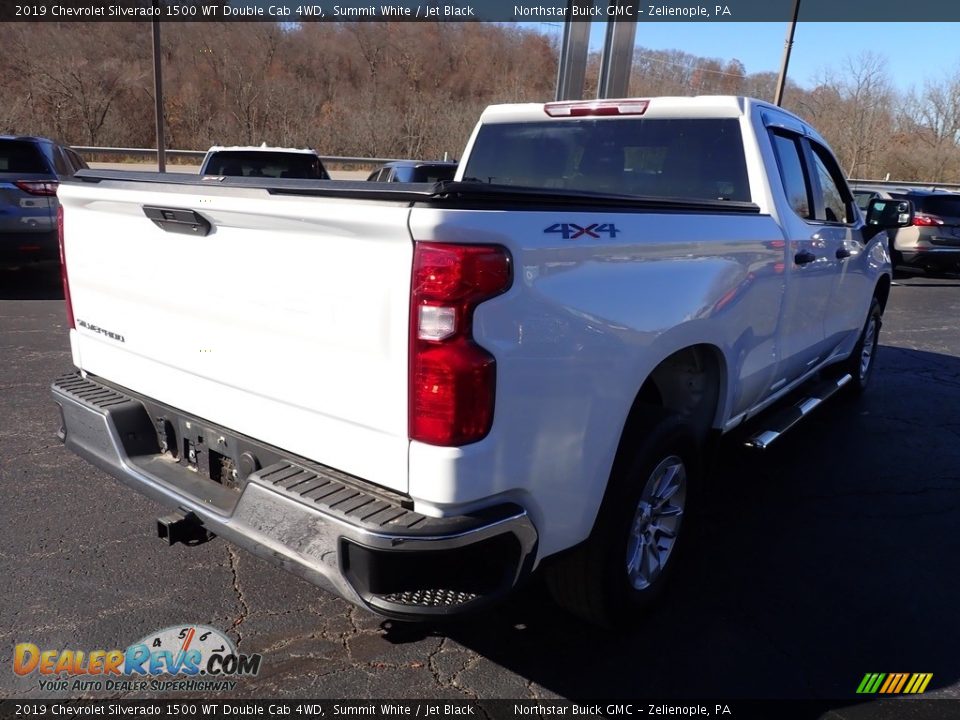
30 171
419 171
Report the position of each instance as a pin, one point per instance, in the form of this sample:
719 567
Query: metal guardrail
907 184
151 154
137 152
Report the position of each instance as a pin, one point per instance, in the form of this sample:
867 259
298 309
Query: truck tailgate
287 322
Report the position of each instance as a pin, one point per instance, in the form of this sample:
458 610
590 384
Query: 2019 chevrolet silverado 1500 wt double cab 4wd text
416 395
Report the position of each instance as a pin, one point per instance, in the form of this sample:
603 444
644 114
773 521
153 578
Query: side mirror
885 214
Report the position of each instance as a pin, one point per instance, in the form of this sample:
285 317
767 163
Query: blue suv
30 171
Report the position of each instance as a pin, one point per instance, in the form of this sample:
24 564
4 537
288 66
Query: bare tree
410 89
853 109
934 117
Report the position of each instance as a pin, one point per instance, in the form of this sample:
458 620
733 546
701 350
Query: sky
914 51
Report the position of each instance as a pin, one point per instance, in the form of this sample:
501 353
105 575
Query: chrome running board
788 417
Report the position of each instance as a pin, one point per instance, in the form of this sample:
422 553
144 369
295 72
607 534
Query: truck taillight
452 379
926 220
63 269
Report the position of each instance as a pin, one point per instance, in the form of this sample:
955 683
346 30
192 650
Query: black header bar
855 708
297 11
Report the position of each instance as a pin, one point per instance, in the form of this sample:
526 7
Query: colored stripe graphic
891 680
918 683
870 683
894 683
899 687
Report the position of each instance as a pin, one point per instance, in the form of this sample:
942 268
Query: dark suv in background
30 171
933 241
414 171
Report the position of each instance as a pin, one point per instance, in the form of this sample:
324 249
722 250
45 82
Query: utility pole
573 53
787 47
158 90
617 59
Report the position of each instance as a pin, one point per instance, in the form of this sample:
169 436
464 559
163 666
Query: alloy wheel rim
869 346
656 522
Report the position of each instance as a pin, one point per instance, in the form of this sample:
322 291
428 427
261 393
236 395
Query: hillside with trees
410 89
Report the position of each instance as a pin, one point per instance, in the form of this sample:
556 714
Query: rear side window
78 163
241 163
403 174
19 156
791 173
700 159
61 163
433 174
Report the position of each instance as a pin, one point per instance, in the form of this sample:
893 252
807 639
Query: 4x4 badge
572 231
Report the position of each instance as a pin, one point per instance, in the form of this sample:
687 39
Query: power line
690 66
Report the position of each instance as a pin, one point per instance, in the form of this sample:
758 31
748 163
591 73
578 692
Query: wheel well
688 383
882 293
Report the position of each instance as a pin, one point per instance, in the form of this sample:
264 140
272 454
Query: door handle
843 253
803 257
178 220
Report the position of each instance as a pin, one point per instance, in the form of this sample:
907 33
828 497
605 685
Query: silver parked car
932 242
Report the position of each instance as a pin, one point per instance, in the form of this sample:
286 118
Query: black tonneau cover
442 194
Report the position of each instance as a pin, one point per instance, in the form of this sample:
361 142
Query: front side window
836 207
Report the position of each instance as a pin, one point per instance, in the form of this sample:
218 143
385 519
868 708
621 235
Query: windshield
266 164
941 205
698 159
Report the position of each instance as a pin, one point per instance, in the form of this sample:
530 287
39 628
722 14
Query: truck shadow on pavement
929 278
30 284
830 555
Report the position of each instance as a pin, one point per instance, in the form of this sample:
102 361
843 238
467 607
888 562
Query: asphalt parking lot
831 555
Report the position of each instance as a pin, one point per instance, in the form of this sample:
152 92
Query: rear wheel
641 527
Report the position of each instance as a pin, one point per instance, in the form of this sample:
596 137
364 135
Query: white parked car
263 161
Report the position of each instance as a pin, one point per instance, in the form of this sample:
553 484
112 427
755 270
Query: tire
863 358
896 257
618 572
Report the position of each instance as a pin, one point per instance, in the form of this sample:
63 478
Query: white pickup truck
417 395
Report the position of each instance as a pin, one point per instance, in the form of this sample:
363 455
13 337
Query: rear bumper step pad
365 543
